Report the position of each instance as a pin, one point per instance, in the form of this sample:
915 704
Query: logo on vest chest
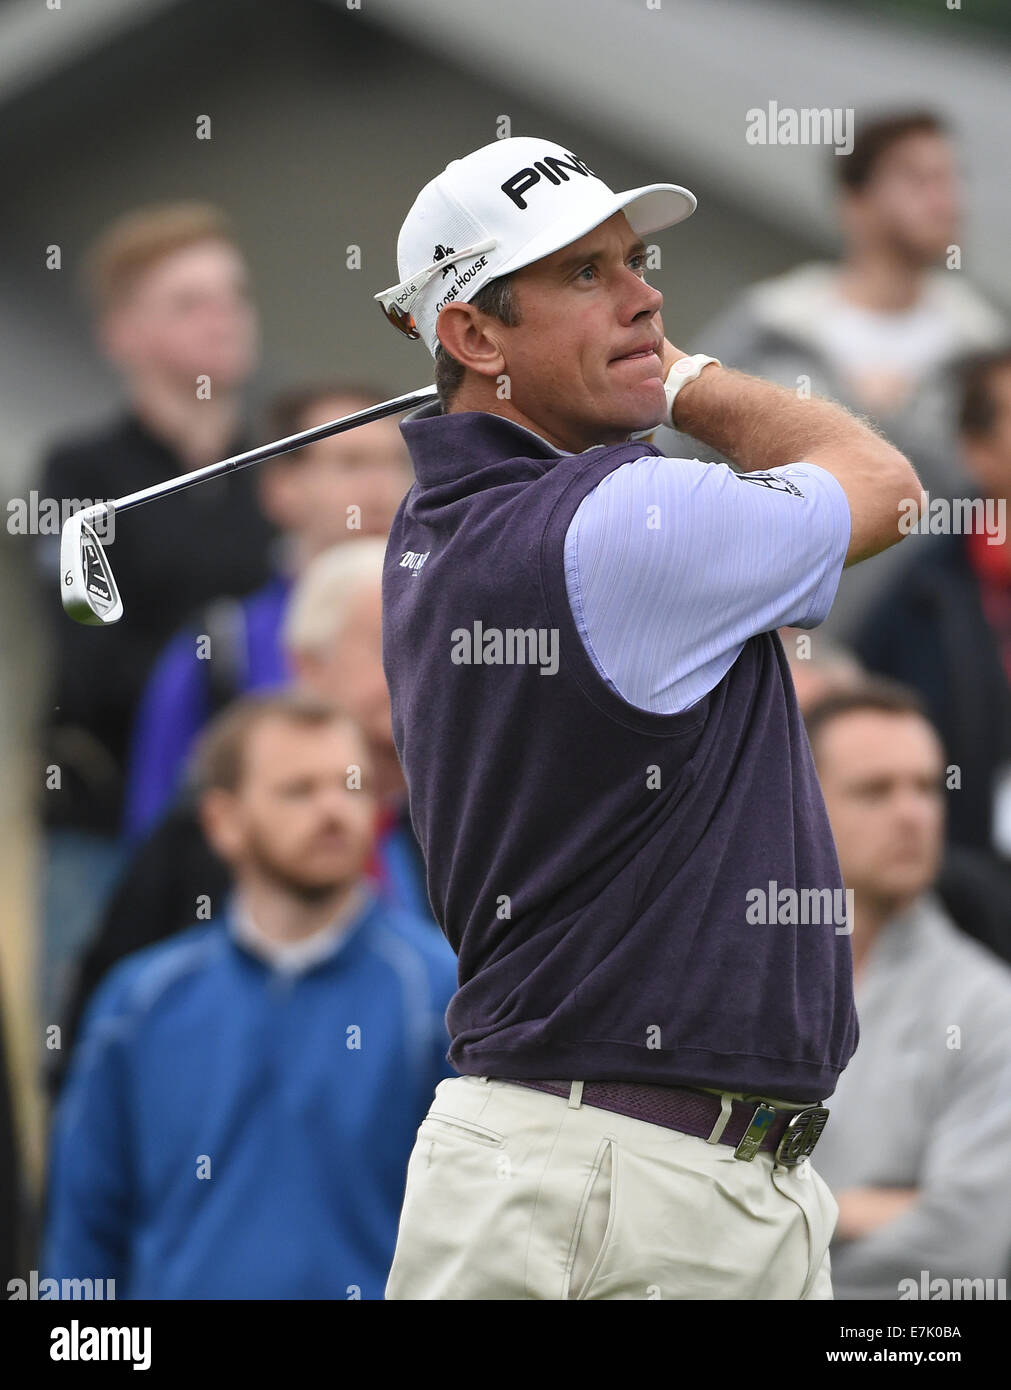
411 560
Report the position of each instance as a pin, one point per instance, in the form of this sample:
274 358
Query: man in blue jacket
243 1100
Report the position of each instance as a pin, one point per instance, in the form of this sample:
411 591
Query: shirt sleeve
672 564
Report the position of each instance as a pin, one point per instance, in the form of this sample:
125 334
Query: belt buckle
801 1135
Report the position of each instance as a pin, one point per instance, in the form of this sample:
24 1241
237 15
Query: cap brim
648 210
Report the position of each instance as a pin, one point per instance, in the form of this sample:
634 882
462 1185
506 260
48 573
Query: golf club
87 585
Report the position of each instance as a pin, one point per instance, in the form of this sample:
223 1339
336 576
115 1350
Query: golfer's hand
670 356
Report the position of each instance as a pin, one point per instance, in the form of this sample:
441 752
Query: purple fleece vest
611 880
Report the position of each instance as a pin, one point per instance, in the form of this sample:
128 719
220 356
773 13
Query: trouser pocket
457 1126
594 1222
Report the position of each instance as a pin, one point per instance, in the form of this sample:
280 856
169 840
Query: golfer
625 840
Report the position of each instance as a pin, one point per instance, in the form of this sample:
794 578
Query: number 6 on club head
87 586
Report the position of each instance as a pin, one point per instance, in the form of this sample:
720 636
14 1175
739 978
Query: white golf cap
501 208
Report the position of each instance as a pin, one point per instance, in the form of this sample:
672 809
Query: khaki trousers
517 1194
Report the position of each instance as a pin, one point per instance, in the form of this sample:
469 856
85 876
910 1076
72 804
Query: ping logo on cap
551 168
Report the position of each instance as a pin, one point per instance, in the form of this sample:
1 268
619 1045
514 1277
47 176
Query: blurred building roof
676 82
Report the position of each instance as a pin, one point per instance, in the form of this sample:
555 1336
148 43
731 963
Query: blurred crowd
236 944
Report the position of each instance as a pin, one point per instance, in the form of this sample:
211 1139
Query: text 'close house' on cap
500 208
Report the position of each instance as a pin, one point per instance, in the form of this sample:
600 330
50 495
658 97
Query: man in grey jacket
916 1148
883 330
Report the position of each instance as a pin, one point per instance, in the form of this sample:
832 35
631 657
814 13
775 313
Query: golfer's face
584 310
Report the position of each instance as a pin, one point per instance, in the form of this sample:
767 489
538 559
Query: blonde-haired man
169 291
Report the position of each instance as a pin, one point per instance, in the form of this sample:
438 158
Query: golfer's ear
470 337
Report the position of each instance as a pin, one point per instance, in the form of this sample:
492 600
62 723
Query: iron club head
87 586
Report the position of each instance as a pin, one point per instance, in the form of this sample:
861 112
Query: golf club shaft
269 451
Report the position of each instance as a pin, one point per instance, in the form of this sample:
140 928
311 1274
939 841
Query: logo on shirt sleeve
774 483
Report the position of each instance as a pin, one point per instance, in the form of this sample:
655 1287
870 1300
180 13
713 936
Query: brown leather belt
751 1128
